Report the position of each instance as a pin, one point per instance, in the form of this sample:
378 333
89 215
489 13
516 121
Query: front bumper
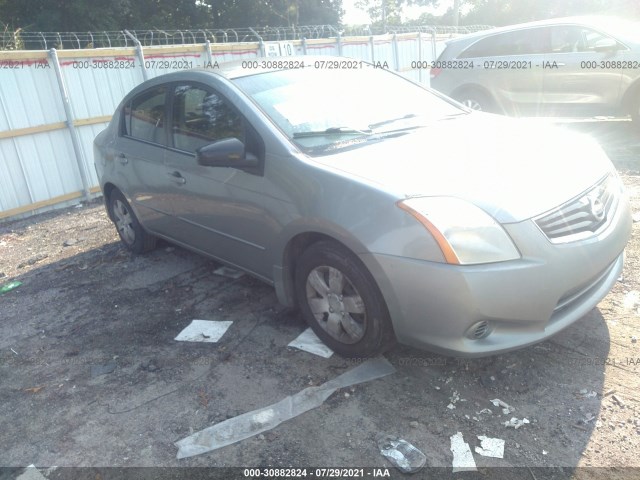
440 307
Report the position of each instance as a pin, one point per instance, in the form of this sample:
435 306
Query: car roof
596 21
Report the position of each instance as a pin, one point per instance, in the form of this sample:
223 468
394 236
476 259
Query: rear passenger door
140 154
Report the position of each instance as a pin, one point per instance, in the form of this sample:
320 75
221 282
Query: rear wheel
341 302
131 232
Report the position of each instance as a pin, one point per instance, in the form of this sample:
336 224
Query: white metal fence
53 103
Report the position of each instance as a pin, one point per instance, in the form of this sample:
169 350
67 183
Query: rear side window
201 117
144 116
522 42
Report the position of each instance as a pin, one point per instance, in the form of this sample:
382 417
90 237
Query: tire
475 100
341 302
131 232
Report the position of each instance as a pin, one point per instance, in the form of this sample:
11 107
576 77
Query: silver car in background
347 188
566 66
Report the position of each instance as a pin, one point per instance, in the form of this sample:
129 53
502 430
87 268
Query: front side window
201 117
573 38
144 116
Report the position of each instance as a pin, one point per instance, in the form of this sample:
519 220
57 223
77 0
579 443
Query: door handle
177 177
122 158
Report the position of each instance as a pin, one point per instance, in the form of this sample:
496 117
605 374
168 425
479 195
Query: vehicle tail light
435 72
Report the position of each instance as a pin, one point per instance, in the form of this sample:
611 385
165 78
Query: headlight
466 234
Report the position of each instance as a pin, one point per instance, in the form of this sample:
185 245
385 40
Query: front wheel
341 302
131 232
475 100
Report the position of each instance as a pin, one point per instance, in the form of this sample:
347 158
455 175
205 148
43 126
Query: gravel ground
92 376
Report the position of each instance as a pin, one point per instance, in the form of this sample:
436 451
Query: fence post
207 47
396 54
339 44
420 57
79 154
304 45
140 52
373 54
263 53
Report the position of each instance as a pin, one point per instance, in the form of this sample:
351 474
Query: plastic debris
451 406
485 410
462 457
506 409
617 399
229 272
584 393
209 331
258 421
490 447
309 342
516 423
97 370
7 287
544 452
404 456
631 299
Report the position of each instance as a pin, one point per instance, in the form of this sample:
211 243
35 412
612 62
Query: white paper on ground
462 457
490 447
204 331
229 272
309 342
31 473
253 423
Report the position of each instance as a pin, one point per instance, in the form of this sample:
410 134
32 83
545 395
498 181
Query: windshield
317 108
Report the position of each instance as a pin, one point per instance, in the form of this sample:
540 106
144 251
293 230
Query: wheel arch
107 190
630 98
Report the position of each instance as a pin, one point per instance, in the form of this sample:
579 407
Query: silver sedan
380 208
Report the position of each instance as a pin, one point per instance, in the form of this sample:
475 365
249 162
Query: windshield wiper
392 120
332 131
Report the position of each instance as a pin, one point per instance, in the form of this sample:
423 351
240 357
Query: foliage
83 16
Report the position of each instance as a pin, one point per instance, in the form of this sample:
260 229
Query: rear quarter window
144 116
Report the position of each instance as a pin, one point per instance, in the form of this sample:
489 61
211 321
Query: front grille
582 216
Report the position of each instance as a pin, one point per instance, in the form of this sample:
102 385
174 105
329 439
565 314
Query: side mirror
228 152
606 45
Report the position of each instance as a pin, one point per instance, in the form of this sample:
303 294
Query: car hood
513 169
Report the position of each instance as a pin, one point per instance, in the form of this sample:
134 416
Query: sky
355 16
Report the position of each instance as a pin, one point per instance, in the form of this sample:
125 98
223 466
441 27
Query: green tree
388 12
82 16
500 12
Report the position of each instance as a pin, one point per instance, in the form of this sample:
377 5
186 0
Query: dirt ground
91 375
